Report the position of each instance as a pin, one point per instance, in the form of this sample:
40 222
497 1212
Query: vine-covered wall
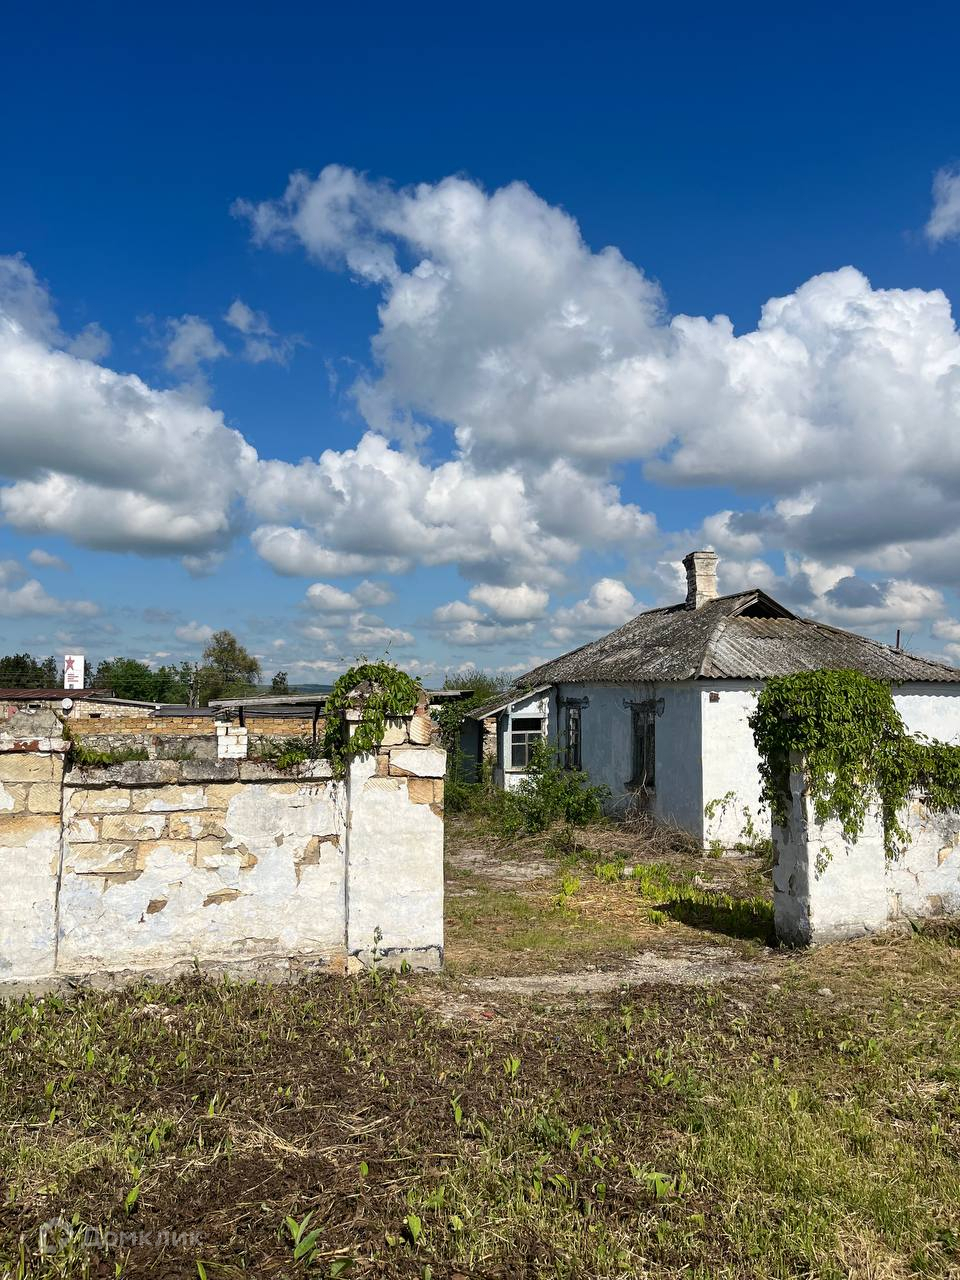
866 815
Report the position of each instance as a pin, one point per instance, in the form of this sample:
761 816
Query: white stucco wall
932 709
395 859
607 745
30 784
827 889
731 766
210 871
704 746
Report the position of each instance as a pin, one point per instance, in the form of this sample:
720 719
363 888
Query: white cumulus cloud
193 633
944 221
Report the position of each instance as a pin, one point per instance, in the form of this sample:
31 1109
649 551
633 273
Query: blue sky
418 405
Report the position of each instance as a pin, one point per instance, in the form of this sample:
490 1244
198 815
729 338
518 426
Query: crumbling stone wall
827 889
172 737
149 865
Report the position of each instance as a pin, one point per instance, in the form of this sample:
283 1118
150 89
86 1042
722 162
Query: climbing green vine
380 692
856 750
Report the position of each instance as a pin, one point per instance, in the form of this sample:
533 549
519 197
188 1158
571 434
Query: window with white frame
525 733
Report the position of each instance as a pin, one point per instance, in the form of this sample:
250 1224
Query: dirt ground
511 927
616 1076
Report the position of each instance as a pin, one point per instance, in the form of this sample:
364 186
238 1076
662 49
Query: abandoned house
659 707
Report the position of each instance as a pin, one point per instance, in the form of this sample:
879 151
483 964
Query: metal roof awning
500 703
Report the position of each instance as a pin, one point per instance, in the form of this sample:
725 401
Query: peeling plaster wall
149 865
31 775
199 868
827 889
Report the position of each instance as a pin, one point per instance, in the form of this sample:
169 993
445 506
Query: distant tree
279 683
482 684
22 671
175 684
128 678
228 670
451 715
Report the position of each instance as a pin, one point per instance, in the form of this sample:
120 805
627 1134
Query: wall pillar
394 881
826 888
32 753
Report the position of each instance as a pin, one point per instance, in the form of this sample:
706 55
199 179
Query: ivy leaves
855 749
380 692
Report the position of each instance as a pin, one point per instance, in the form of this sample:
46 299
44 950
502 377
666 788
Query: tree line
225 670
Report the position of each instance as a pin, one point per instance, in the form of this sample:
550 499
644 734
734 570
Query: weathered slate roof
740 637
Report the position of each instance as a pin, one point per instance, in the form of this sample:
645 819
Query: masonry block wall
827 889
148 866
117 729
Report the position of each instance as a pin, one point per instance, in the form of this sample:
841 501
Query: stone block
132 773
169 799
107 800
421 730
420 790
132 826
19 830
219 794
209 771
100 859
147 849
13 797
44 797
257 771
198 825
383 784
212 854
418 762
394 733
82 829
28 766
314 769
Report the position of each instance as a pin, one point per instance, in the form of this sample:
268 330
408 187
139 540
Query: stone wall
149 866
827 889
173 737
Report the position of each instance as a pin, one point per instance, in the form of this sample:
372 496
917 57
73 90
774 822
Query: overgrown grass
540 931
89 758
783 1133
676 896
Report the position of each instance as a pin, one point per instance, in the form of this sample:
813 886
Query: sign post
73 671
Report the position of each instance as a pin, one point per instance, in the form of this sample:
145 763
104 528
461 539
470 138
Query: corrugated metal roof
740 637
50 695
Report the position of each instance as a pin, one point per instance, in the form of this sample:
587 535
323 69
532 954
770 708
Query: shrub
550 794
284 753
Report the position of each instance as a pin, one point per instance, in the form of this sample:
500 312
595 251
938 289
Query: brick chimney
701 567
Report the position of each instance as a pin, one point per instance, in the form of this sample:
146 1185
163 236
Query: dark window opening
644 749
525 733
571 737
